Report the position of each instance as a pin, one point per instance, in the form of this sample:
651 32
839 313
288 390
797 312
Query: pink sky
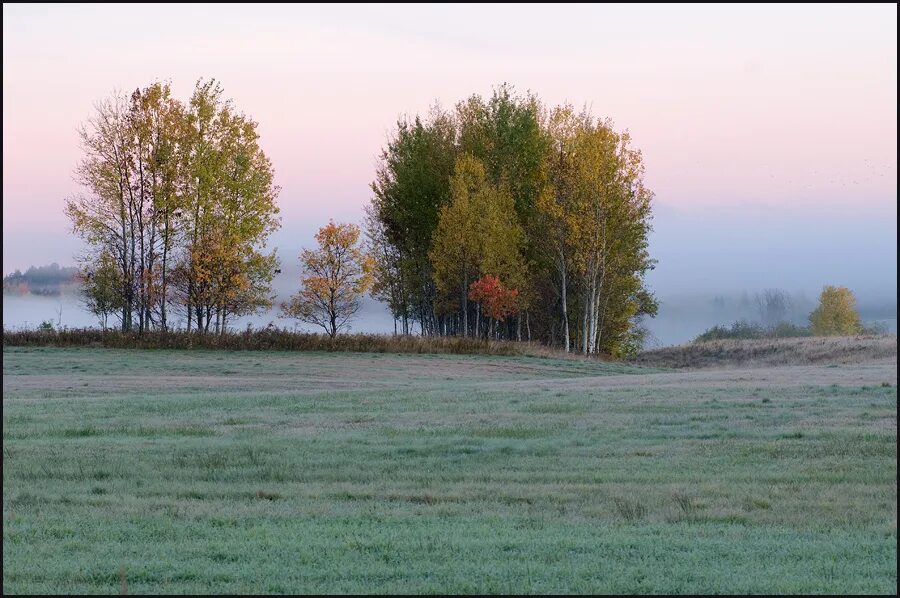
766 106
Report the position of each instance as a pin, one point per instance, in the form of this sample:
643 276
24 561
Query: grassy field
201 471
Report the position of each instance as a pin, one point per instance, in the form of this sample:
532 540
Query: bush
743 329
740 329
788 330
875 329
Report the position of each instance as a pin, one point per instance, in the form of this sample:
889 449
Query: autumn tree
338 273
478 233
498 301
836 313
229 212
182 198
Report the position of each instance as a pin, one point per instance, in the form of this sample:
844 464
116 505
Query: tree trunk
465 309
565 312
477 319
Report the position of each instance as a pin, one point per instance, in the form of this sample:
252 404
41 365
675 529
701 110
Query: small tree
836 314
495 300
338 273
101 288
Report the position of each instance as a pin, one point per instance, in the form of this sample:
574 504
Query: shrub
740 329
271 339
749 330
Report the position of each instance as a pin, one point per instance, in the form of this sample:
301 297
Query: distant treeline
836 315
41 280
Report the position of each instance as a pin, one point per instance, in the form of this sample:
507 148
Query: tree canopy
181 199
550 202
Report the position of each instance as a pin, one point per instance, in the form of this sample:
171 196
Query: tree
594 220
478 233
338 273
773 306
412 182
105 218
101 288
556 208
230 205
836 314
498 301
388 285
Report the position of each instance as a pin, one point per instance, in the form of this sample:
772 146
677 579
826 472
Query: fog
712 261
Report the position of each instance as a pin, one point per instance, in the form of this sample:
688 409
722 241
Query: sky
769 132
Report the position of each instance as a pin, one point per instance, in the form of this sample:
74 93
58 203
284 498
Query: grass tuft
630 510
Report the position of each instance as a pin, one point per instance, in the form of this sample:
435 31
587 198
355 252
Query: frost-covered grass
220 472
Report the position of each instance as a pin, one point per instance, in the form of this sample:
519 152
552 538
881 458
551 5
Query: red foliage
496 300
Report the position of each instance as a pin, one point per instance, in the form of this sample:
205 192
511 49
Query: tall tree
557 212
230 198
105 217
182 197
412 182
388 285
478 233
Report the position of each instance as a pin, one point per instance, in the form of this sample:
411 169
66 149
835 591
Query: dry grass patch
774 352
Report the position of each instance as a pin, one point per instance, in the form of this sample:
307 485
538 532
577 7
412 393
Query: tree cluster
547 202
40 280
179 202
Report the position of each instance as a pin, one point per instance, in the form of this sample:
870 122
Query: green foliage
411 183
742 329
180 200
836 314
101 287
551 202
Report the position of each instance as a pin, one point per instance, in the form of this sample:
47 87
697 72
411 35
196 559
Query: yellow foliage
836 314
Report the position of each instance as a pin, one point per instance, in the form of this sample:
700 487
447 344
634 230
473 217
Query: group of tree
179 202
500 218
506 218
835 315
41 280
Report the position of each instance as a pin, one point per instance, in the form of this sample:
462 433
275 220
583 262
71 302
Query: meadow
172 471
